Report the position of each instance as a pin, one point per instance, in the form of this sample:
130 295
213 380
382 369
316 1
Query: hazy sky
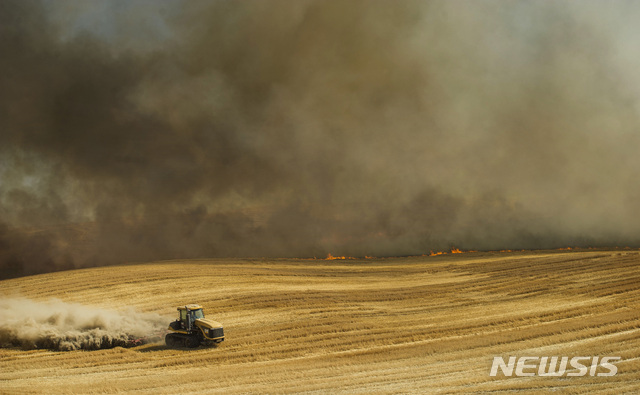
138 130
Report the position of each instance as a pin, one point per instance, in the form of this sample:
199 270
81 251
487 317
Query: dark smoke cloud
133 131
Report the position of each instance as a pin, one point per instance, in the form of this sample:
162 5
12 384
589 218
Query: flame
332 258
453 250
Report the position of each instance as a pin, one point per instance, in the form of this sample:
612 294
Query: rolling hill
383 325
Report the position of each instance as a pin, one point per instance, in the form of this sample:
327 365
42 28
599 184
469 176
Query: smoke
60 326
133 131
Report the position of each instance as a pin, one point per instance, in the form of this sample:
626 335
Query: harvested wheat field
387 325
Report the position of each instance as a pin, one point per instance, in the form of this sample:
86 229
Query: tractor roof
190 307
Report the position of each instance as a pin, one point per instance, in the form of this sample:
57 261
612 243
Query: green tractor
191 329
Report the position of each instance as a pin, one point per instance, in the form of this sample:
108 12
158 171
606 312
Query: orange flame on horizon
333 258
453 250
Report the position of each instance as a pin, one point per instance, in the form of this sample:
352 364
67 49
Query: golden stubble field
392 325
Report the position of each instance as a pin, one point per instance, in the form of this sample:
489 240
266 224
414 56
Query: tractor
191 329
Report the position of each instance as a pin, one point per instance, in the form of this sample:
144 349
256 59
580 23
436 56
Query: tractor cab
189 314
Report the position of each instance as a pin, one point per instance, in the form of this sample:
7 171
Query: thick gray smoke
61 326
132 131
